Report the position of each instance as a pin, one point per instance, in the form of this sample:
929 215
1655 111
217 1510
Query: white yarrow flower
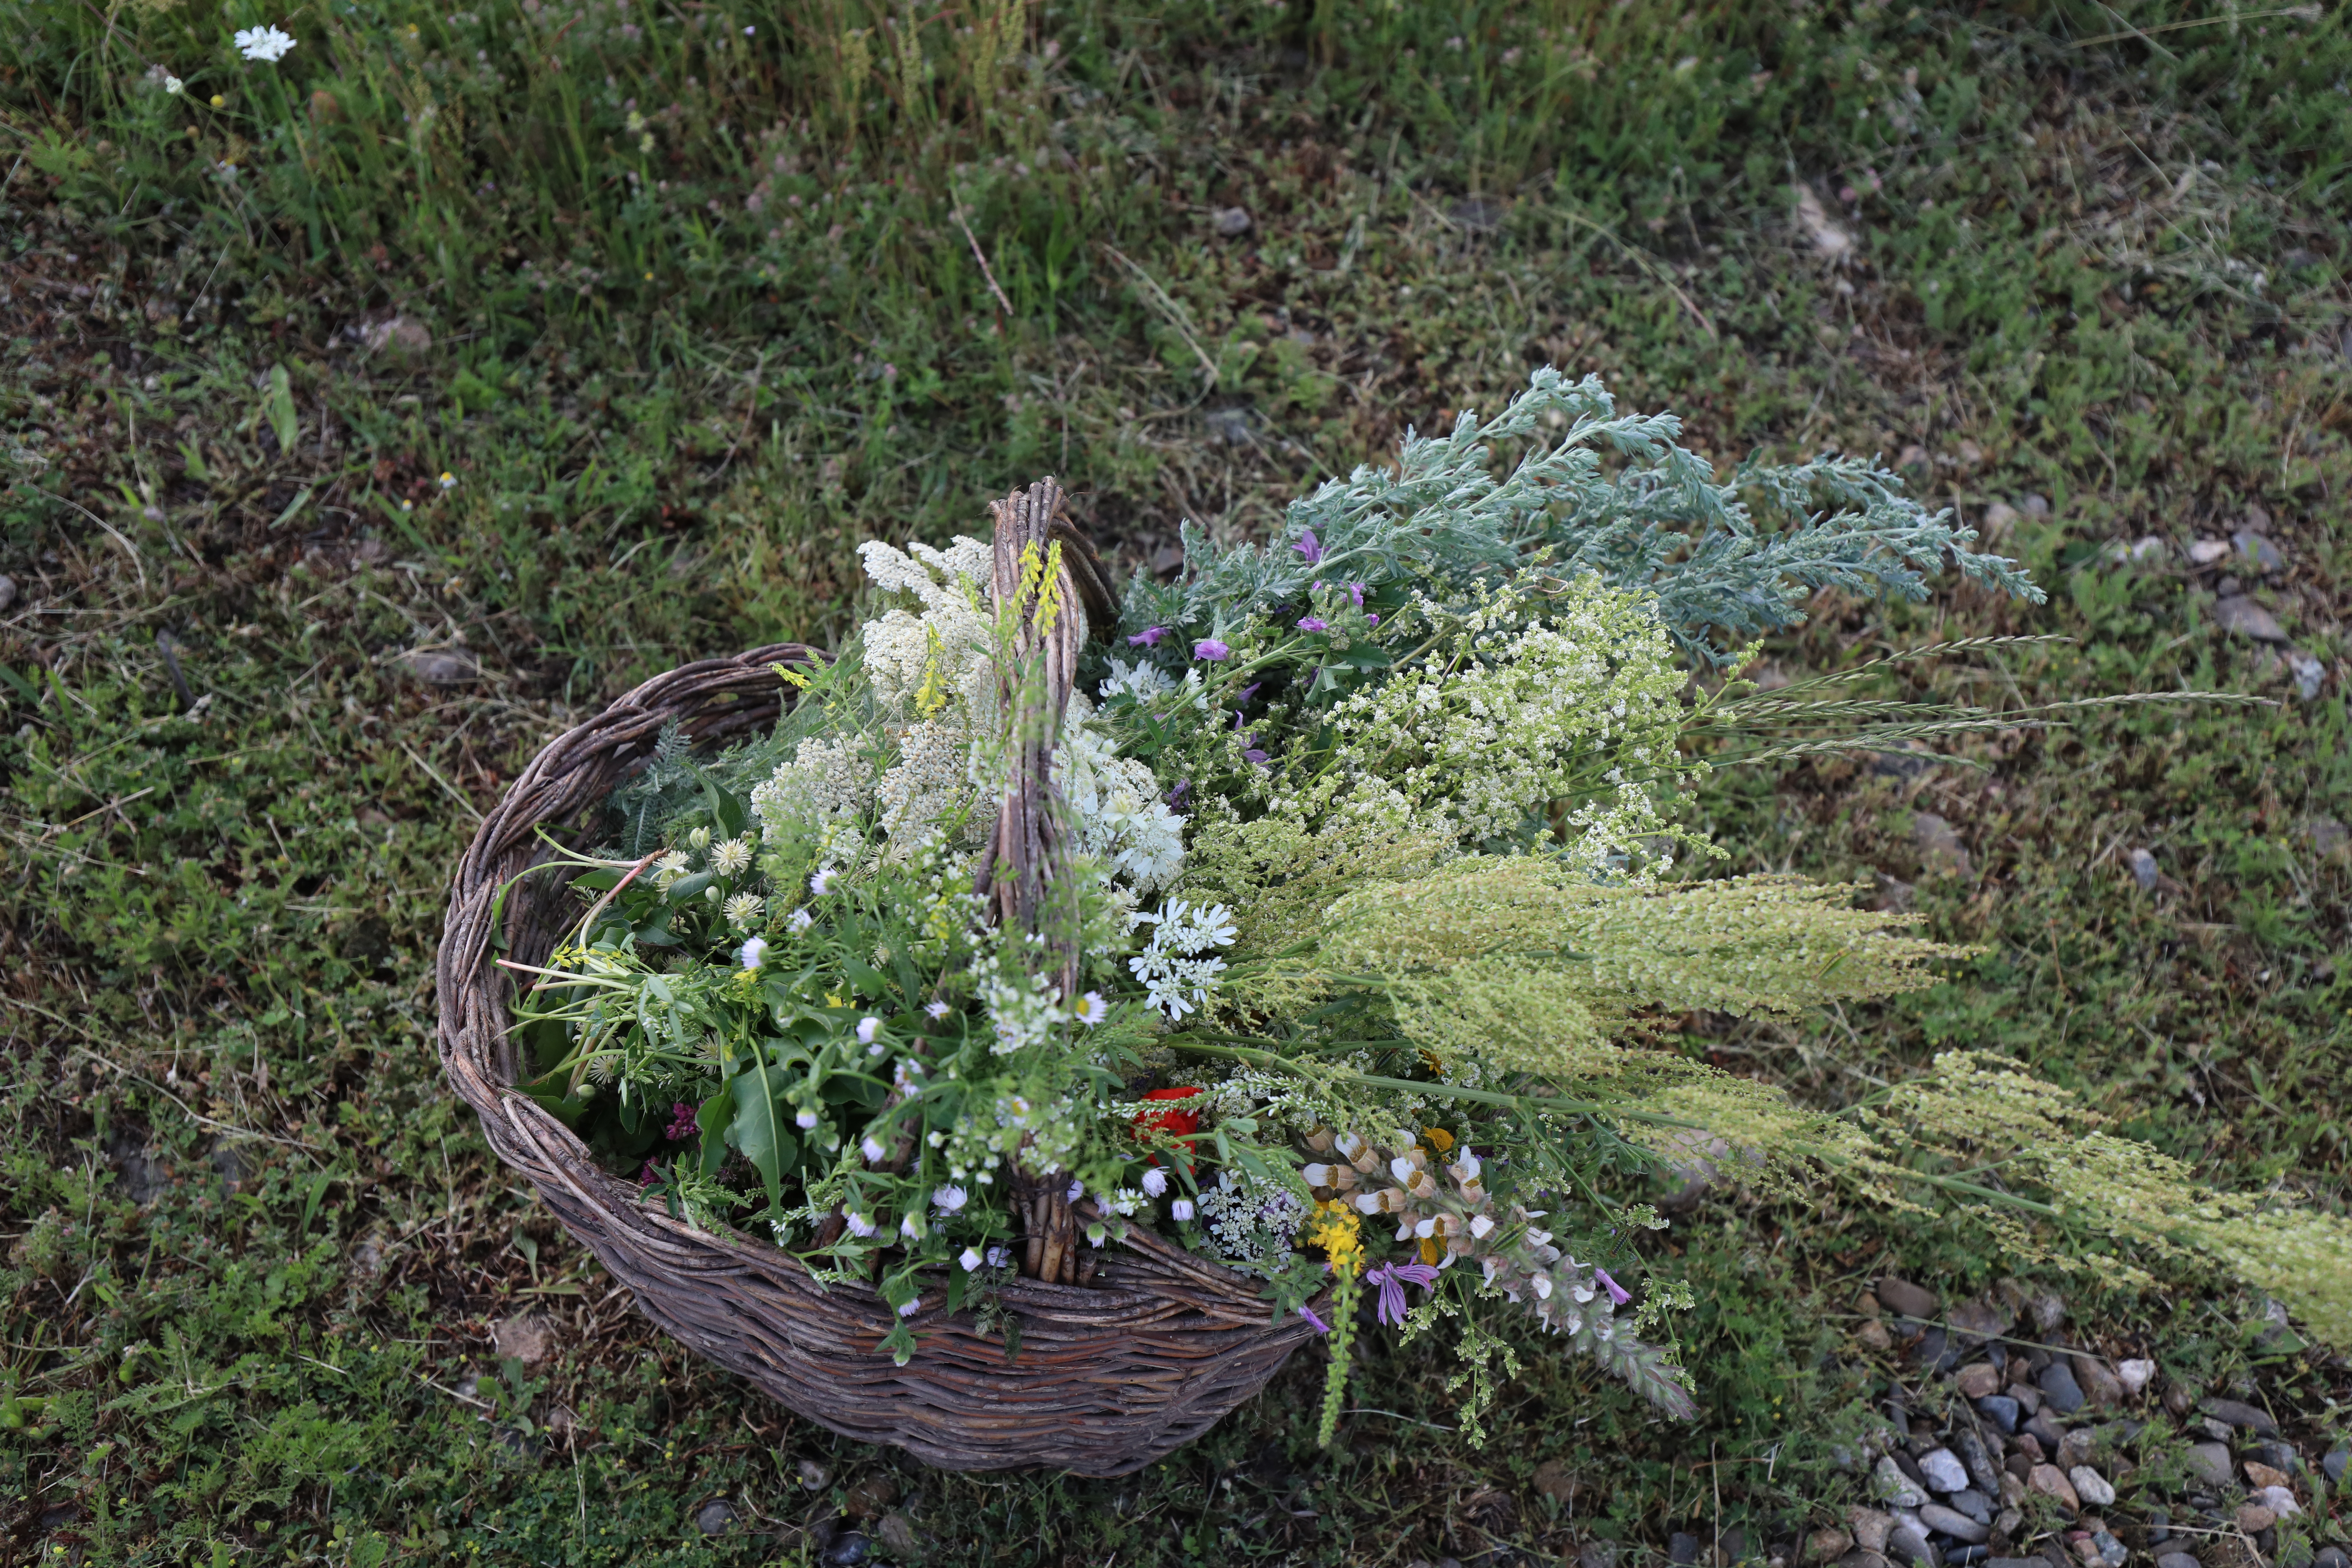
268 44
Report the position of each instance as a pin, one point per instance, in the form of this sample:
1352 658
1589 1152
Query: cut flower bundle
1313 911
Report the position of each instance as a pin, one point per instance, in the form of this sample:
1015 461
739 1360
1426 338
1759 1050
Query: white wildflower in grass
749 955
802 920
821 882
805 1119
859 1225
872 1149
731 859
827 783
174 86
868 1027
970 1258
1092 1009
1175 967
950 1198
743 909
937 1008
268 44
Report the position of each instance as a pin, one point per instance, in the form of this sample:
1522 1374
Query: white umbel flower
268 44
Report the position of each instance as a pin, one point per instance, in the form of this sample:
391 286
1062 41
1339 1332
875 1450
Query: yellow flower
1338 1230
1438 1139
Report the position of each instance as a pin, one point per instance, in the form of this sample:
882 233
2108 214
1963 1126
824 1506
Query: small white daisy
859 1226
822 881
1092 1009
911 1308
935 1009
802 920
872 1150
752 952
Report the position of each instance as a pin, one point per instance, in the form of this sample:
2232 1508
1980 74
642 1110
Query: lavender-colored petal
1617 1292
1211 649
1320 1326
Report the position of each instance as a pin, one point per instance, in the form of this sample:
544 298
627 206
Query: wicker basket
1108 1377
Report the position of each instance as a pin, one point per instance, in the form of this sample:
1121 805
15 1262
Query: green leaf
760 1126
716 1112
278 405
687 887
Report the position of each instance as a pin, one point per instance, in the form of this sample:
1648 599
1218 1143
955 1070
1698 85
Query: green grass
254 1252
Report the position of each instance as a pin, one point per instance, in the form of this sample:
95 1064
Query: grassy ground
370 415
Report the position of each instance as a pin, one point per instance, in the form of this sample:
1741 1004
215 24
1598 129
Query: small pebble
1999 1409
2135 1375
1977 1380
2092 1487
1907 1544
2111 1551
2052 1482
1909 1299
2205 551
2334 1464
2261 1474
1973 1503
1966 1556
1682 1549
2253 1518
2332 1557
2279 1501
2059 1387
2142 870
1895 1487
2210 1461
848 1548
715 1517
2251 1417
2099 1386
1942 1470
2309 674
1870 1528
1231 222
2176 1560
1952 1522
1827 1545
2257 552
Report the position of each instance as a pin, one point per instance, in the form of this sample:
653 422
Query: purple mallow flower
1211 649
1356 592
1392 1277
1309 546
1314 623
681 1123
1148 637
1617 1292
1372 619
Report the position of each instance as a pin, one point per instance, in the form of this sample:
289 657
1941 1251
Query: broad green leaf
760 1128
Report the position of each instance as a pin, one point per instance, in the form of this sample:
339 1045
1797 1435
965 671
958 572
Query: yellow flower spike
1338 1229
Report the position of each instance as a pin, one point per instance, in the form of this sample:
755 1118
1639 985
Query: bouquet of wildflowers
1311 911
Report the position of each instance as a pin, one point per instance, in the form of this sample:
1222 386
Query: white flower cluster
1045 1132
825 788
1021 1007
946 645
1177 966
1121 820
1252 1222
1582 706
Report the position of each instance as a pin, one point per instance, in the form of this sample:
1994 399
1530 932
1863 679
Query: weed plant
439 381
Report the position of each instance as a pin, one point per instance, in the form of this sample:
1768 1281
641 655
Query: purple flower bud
1148 637
1211 649
1372 619
1320 1326
1246 692
1356 592
1180 793
1314 623
1309 546
1182 1208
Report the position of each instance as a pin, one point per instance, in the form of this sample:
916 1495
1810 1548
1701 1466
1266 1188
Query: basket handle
1030 851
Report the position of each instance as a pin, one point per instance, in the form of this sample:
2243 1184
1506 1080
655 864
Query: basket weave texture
1108 1377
